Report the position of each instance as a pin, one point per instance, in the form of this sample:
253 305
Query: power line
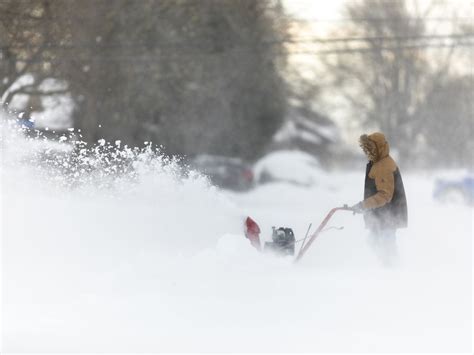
382 38
153 59
393 48
157 45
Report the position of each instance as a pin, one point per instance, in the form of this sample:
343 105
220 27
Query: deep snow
159 263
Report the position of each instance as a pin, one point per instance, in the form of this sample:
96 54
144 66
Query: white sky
314 9
330 9
327 14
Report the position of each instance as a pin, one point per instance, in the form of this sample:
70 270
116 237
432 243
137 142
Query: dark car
459 190
225 172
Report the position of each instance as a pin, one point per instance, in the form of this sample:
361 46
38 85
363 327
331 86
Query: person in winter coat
384 205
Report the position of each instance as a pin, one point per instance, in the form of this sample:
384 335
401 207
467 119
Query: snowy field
161 264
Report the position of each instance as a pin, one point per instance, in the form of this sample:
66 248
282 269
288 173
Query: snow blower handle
354 210
320 228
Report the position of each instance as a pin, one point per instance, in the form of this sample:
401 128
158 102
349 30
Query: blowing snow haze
136 137
139 261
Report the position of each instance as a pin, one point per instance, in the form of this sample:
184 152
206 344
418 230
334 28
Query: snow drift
153 259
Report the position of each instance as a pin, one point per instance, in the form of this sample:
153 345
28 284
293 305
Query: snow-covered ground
161 264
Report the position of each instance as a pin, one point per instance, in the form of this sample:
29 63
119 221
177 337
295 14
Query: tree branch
31 89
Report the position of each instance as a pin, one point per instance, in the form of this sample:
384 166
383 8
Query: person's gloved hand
358 208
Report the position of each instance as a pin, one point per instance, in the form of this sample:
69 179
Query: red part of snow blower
252 232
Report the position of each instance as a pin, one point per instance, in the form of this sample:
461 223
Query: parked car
225 172
289 166
455 190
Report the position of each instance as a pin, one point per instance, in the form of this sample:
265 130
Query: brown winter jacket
384 193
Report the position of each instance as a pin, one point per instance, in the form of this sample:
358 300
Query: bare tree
448 119
383 71
27 37
193 76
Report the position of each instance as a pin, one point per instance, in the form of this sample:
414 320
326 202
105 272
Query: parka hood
375 146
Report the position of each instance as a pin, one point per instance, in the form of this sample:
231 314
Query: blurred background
110 243
225 83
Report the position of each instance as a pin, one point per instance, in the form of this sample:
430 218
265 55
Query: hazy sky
314 9
329 11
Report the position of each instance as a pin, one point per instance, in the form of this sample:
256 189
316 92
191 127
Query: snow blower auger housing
283 239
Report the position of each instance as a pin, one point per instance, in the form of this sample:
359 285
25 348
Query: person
384 205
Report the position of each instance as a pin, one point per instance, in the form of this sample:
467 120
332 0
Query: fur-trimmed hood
375 146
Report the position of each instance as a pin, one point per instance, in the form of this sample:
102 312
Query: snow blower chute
283 239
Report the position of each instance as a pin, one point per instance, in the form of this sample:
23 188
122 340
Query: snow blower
283 239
